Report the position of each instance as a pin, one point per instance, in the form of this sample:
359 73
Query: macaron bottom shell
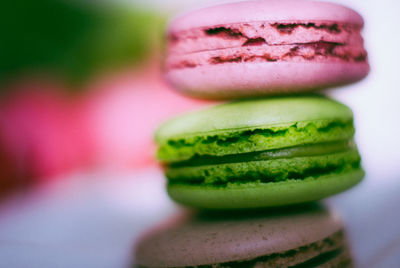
259 194
242 79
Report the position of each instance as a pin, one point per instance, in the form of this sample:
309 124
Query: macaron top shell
254 125
227 238
266 10
254 114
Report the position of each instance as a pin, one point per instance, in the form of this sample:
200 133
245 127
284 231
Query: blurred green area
74 40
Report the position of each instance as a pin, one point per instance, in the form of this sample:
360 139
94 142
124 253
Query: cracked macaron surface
260 153
265 47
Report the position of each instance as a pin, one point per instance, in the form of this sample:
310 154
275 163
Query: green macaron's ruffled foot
266 166
261 194
249 140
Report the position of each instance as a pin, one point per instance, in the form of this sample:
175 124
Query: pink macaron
252 48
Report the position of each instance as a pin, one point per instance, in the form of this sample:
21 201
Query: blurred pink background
46 131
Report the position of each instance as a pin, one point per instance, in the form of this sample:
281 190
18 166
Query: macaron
297 238
260 153
264 47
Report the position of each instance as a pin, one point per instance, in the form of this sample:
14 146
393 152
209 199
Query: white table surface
94 220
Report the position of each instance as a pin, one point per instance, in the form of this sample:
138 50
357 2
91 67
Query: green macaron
260 153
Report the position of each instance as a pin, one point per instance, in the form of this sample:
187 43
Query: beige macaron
303 237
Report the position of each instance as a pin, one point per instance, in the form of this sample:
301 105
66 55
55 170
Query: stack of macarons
276 144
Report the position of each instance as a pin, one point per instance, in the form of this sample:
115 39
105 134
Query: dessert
260 153
304 237
264 47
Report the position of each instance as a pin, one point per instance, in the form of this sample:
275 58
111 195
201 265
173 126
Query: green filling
264 171
297 151
230 142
